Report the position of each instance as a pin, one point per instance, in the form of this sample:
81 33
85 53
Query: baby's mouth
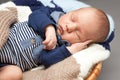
60 30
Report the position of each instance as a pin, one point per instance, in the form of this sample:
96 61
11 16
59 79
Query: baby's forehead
87 9
85 12
90 10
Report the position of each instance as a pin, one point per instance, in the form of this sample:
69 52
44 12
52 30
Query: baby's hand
78 46
51 40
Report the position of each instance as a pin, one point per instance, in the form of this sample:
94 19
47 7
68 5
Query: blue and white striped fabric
19 49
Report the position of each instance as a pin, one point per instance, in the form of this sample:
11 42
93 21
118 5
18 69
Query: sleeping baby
74 31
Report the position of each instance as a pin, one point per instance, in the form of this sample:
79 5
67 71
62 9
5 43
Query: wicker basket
95 72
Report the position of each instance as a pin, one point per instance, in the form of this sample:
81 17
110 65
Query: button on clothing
33 40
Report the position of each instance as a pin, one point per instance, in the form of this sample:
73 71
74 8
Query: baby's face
76 26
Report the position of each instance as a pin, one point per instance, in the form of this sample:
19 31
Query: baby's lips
60 30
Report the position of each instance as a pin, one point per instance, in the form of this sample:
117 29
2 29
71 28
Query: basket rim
95 72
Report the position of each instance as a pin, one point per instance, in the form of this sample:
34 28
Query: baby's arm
78 46
10 72
42 23
58 54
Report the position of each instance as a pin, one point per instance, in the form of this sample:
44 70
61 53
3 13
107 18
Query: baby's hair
104 25
100 21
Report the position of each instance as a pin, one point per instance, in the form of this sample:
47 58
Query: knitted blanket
75 67
8 16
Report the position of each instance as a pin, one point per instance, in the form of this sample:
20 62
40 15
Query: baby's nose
71 28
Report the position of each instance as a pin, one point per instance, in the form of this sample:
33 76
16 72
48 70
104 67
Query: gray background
110 69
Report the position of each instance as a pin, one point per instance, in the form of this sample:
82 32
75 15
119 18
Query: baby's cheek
67 38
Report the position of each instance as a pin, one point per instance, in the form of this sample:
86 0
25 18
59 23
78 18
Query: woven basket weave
95 72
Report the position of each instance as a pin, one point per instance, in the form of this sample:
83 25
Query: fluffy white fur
7 4
90 56
22 11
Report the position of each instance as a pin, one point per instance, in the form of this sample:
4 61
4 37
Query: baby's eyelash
73 18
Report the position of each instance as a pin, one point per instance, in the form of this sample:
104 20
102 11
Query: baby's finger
46 41
87 42
51 45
